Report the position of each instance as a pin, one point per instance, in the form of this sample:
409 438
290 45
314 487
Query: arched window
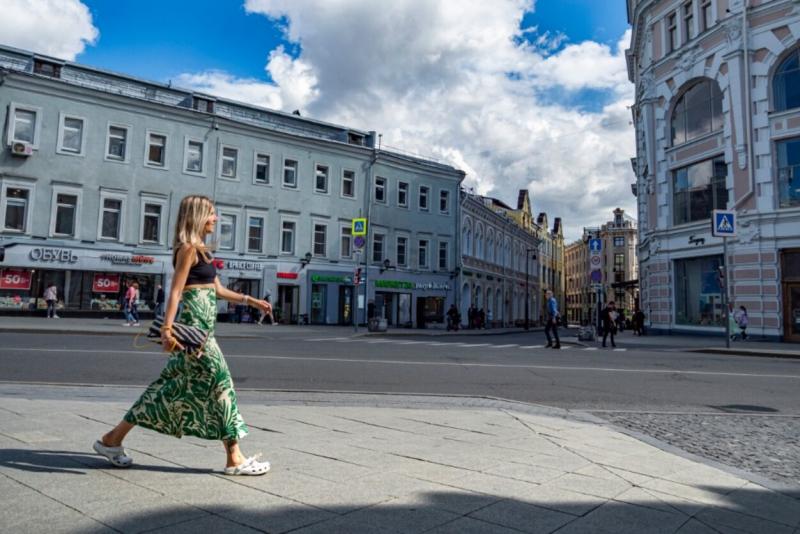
697 112
467 238
490 246
786 83
479 242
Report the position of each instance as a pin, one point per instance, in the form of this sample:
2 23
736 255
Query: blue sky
158 39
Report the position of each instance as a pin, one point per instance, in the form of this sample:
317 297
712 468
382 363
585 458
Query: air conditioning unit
21 149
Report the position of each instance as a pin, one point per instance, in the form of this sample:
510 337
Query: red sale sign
105 283
15 279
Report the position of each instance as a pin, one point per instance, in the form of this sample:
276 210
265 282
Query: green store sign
400 284
331 278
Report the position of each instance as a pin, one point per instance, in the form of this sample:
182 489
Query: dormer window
355 139
46 68
203 104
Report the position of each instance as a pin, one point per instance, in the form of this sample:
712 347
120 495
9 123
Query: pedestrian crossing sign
723 223
359 227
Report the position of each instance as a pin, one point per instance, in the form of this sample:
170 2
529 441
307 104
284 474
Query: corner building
717 117
94 165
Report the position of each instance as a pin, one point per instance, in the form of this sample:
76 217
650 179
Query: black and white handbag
191 337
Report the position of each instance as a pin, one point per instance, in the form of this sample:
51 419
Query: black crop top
201 272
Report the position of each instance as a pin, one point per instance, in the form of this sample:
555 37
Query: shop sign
126 259
241 265
53 255
400 284
15 279
331 279
287 276
105 283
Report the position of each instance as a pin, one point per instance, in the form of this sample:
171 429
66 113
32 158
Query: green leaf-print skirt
194 395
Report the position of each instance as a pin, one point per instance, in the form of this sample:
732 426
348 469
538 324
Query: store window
255 234
697 112
320 240
786 83
788 173
698 189
17 204
432 309
151 223
698 293
287 237
346 242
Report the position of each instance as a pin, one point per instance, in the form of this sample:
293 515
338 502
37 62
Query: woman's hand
168 341
262 305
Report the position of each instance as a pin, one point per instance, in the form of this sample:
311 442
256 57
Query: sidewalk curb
759 353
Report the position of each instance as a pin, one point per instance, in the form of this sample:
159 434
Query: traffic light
357 277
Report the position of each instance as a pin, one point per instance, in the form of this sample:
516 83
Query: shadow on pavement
635 511
75 463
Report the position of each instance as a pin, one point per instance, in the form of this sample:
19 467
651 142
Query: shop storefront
790 284
411 302
245 277
698 292
87 281
331 297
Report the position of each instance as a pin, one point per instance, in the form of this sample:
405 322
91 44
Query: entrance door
319 304
288 300
791 312
346 305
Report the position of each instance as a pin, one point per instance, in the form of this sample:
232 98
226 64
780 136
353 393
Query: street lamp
527 292
305 260
386 266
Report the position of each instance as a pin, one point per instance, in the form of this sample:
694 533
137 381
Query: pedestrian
481 319
453 318
638 322
489 318
194 394
51 298
127 298
470 318
159 300
133 303
621 320
608 322
741 322
552 321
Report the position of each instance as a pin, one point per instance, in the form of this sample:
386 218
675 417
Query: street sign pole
726 296
723 224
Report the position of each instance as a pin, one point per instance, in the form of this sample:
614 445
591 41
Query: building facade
552 265
494 275
717 118
95 164
581 299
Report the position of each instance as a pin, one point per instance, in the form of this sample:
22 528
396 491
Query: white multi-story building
717 118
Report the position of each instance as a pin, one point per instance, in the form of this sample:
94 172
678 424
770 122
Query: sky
517 93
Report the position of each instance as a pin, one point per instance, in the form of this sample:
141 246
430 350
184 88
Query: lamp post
527 291
305 260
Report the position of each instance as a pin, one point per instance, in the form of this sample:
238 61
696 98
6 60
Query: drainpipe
748 116
368 200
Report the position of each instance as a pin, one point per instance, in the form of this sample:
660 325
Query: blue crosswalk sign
723 223
595 245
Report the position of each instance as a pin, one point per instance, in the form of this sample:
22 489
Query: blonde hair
193 214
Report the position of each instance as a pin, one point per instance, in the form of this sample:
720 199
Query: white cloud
60 28
456 81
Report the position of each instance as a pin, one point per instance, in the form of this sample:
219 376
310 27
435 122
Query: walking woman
194 394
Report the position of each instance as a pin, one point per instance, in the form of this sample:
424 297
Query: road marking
505 346
325 339
473 344
533 347
620 350
435 364
590 348
409 342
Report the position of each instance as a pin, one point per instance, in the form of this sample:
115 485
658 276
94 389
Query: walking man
608 321
51 297
552 321
159 300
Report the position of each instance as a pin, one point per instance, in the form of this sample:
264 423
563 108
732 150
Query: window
423 254
320 240
706 14
348 184
698 297
402 194
227 231
380 189
698 189
255 234
346 242
688 20
697 112
261 173
117 143
321 179
17 202
377 247
229 162
423 197
193 157
287 237
789 172
290 173
444 201
46 68
24 125
66 214
111 218
619 262
402 251
619 241
70 138
151 223
672 32
156 150
204 105
786 83
444 256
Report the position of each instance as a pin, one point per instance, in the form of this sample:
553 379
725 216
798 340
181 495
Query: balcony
789 187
